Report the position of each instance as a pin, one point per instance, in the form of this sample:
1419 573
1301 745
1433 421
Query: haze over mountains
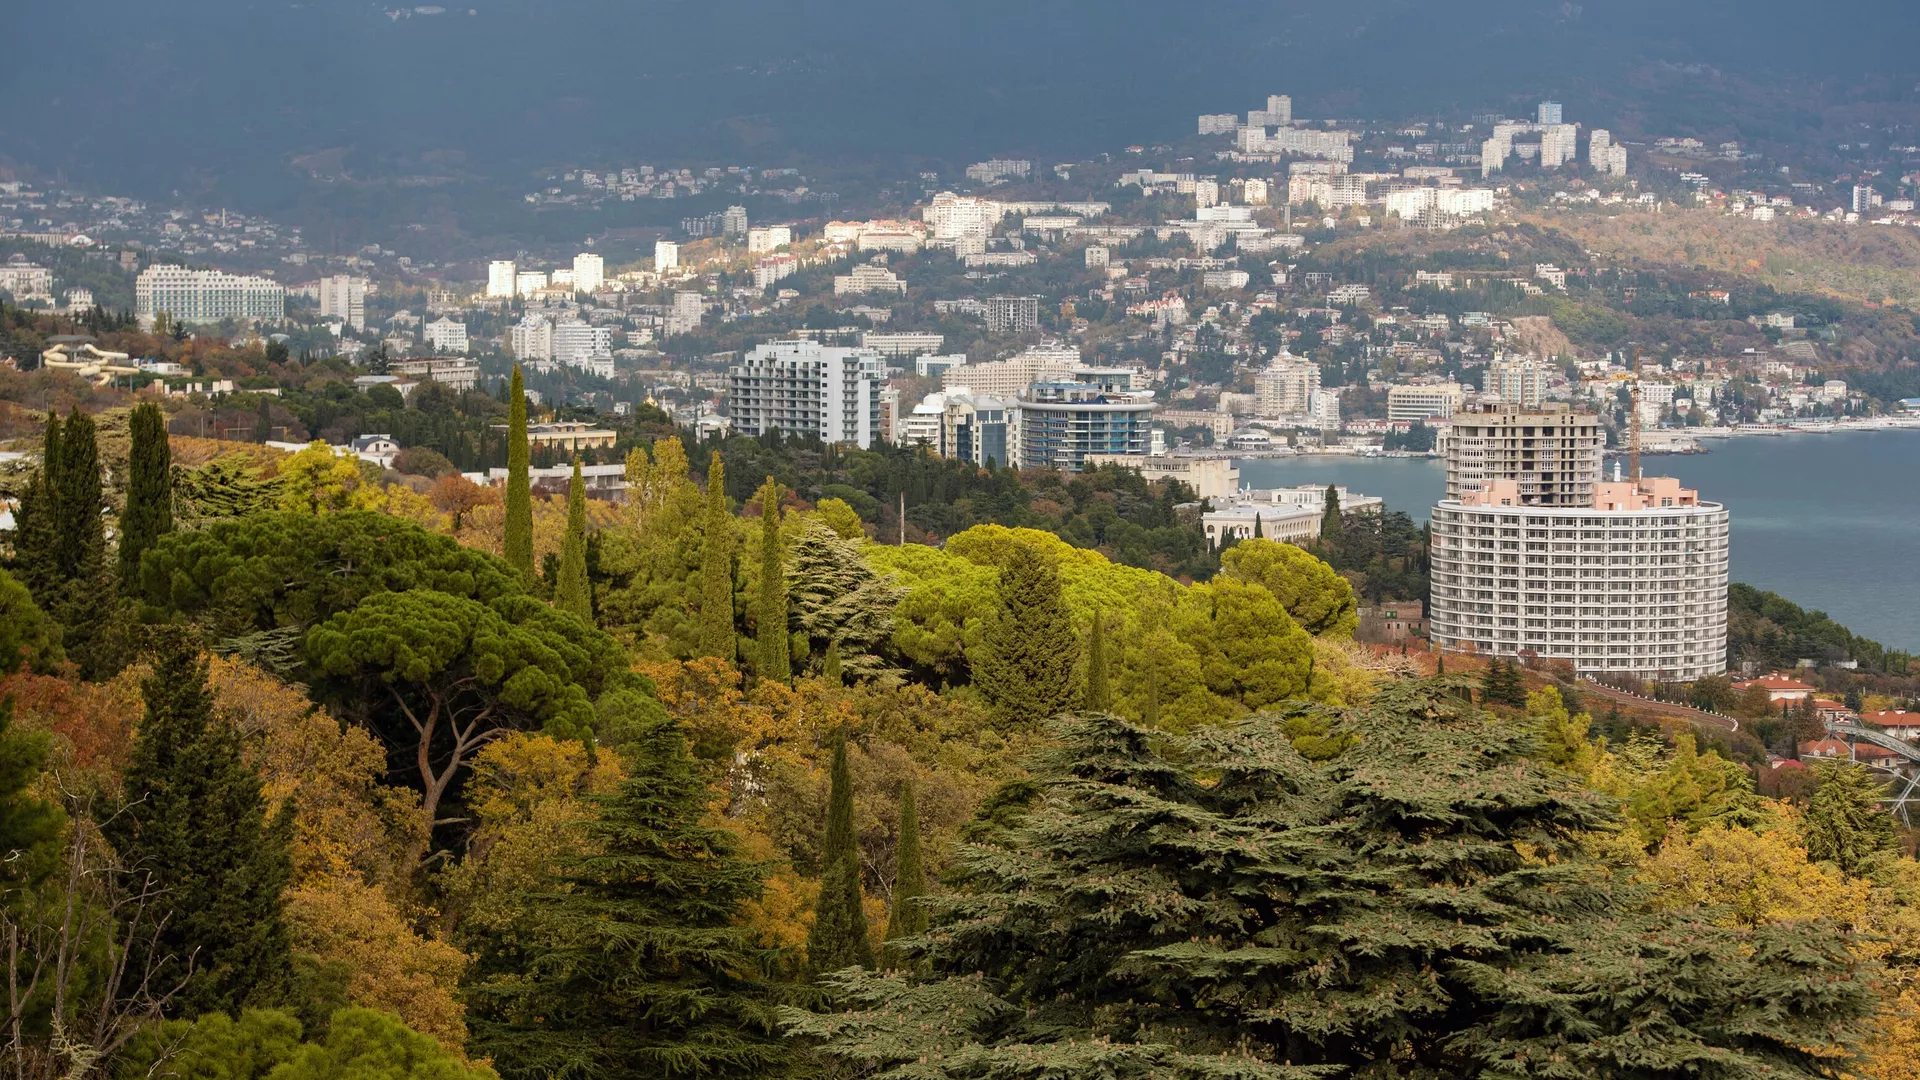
226 97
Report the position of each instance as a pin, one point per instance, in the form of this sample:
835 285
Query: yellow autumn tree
316 481
527 797
1752 878
356 930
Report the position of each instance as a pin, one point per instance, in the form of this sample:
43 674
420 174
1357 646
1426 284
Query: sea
1829 521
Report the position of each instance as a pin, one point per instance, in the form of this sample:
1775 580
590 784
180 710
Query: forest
308 772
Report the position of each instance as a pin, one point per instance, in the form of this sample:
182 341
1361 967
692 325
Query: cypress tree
35 535
1099 697
908 917
1027 658
573 593
839 935
830 668
519 500
78 533
645 965
1258 532
770 611
1330 518
195 825
149 512
716 569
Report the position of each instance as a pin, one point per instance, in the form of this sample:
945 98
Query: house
1779 688
1392 623
1898 723
1835 748
379 449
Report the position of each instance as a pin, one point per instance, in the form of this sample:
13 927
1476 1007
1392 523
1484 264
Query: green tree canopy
835 598
438 676
194 828
773 659
643 966
279 571
573 593
716 569
149 510
1026 659
1421 905
27 637
1317 597
1844 823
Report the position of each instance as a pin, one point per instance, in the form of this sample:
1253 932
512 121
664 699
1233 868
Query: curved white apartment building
1635 582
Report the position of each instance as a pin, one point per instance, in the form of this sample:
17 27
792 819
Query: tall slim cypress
573 593
79 534
36 519
716 569
149 512
770 610
1099 696
519 525
839 935
908 917
1330 523
195 825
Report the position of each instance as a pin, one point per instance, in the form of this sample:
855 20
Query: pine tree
149 512
716 569
839 935
519 499
1099 698
908 918
572 591
195 825
770 609
1501 684
1026 661
1330 524
1213 905
646 965
1844 822
836 600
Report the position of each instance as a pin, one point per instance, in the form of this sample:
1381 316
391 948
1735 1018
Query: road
1665 708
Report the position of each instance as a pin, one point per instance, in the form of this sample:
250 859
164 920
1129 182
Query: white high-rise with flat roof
206 296
1550 113
344 297
589 272
804 388
501 278
446 336
666 256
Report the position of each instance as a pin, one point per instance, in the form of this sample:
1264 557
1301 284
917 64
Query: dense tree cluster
311 770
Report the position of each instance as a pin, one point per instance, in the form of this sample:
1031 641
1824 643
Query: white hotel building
803 388
1631 578
206 296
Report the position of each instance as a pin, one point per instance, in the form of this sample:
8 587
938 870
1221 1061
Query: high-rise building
528 282
954 217
1423 401
1517 380
976 428
446 336
666 256
344 297
1286 387
686 313
1009 378
1632 580
1551 452
531 340
1558 145
501 277
763 239
804 388
1550 113
986 172
578 344
1012 314
1058 424
589 272
206 295
733 223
